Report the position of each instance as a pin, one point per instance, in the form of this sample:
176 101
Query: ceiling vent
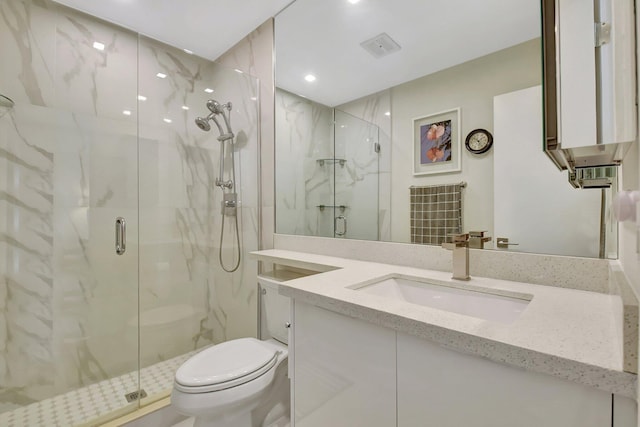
381 45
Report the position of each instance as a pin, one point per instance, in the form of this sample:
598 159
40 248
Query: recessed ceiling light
208 90
388 113
353 1
310 78
238 71
167 120
98 45
142 98
185 108
161 75
126 112
254 98
188 51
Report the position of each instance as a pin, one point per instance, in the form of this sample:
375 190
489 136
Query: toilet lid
236 362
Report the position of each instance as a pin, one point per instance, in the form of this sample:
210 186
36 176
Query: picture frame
436 143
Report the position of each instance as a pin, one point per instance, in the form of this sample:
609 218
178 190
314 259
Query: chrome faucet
460 248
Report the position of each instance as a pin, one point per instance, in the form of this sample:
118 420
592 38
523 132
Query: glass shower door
68 162
356 176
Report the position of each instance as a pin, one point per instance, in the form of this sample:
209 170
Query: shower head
203 124
217 109
214 106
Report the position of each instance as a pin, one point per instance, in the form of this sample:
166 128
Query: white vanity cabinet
440 387
348 372
344 371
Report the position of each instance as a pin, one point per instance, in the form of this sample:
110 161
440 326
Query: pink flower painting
435 142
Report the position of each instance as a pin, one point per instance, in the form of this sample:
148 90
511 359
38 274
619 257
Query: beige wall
471 87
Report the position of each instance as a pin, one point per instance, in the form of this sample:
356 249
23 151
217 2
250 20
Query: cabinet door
439 387
344 373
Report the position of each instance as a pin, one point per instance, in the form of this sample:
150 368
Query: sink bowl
482 303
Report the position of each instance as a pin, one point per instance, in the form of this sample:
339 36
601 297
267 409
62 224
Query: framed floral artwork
436 140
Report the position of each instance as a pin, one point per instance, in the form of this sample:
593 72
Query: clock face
479 141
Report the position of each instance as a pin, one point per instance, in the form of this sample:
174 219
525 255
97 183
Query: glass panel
187 300
357 166
304 166
68 157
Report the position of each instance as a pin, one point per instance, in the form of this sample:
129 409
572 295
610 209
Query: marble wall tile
87 80
304 134
72 162
27 46
26 240
254 55
180 207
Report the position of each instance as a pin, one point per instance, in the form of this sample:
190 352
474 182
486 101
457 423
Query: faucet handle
477 233
459 237
457 240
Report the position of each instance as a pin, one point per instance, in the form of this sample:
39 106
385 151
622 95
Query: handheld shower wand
229 203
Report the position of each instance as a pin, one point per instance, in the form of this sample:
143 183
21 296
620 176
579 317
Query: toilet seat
225 365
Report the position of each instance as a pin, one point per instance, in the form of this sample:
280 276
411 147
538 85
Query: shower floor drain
135 395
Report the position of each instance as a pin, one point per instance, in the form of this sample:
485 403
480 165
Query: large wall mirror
376 107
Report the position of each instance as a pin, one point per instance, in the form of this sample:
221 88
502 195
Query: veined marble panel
89 80
254 54
180 206
27 49
26 241
304 135
72 162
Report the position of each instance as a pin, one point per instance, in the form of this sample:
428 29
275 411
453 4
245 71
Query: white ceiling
323 37
206 27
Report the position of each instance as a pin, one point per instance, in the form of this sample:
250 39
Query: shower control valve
224 184
229 204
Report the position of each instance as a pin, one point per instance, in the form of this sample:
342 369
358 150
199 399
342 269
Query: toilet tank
274 311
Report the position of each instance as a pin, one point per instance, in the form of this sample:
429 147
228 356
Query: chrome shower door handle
335 225
121 235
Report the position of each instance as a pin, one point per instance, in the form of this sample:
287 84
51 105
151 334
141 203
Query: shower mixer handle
224 184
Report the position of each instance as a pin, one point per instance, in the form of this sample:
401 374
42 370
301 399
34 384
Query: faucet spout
460 250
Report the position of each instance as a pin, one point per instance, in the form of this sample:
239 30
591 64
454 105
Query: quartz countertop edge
563 346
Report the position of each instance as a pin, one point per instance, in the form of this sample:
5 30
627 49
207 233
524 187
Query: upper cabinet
590 81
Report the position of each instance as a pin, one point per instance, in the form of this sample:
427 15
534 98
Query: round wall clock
479 141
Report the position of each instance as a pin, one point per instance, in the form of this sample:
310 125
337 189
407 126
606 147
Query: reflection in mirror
345 138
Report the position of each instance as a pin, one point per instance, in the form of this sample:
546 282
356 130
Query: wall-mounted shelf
323 207
331 161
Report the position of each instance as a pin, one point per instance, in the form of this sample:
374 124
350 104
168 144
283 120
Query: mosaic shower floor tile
82 405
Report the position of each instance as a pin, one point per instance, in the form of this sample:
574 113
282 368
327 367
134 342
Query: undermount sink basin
481 303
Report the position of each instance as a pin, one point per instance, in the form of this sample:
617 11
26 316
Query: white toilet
243 382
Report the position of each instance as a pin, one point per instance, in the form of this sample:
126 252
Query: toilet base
262 402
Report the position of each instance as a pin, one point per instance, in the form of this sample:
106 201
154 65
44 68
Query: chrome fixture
343 219
230 198
460 248
121 235
477 239
503 243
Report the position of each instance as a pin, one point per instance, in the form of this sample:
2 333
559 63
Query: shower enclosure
102 127
334 191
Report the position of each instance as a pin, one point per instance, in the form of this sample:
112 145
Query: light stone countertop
567 333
